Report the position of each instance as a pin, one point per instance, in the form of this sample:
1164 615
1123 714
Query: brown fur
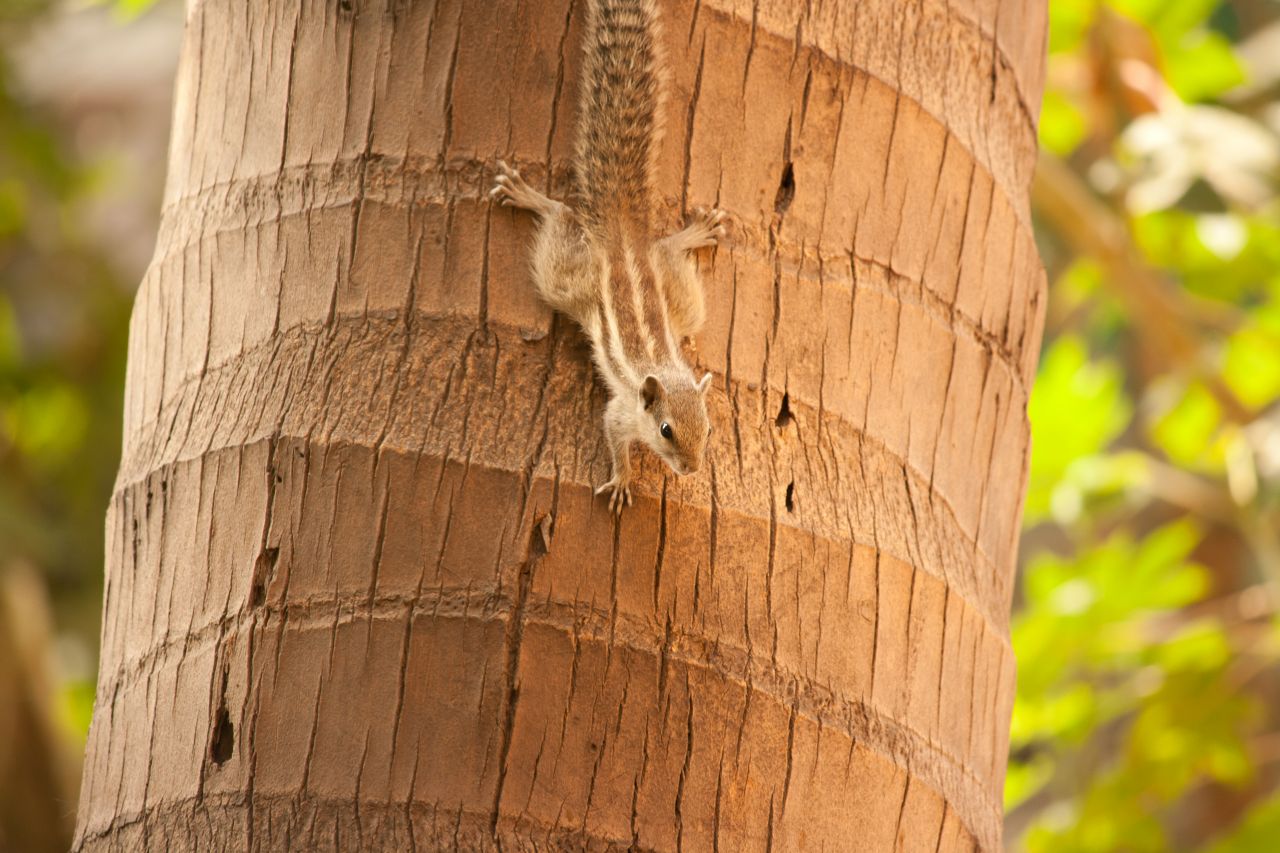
636 296
619 125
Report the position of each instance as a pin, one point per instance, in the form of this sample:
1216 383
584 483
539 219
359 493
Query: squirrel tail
620 113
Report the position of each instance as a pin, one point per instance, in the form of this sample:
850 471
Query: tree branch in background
1152 304
37 775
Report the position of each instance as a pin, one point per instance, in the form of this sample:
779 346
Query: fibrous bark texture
359 594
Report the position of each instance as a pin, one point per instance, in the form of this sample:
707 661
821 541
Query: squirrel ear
651 391
704 383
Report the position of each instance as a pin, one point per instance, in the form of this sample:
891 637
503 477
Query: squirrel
636 294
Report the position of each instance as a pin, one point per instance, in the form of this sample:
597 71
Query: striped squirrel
601 263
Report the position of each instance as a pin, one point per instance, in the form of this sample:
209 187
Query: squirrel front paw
619 490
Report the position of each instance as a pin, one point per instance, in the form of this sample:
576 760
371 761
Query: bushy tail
620 113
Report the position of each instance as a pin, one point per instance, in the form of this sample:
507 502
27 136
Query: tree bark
359 594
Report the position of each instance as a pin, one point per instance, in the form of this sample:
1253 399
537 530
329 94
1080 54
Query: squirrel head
675 425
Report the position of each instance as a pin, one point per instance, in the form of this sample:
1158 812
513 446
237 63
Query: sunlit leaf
1202 646
1077 408
1186 432
1223 234
1062 125
1202 65
47 422
126 9
1067 24
1168 17
1132 696
76 707
1024 779
1252 367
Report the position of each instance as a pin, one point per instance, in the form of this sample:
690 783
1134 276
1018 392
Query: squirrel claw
507 184
619 494
705 231
510 189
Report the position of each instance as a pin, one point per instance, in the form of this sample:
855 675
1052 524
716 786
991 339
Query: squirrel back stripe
636 293
620 111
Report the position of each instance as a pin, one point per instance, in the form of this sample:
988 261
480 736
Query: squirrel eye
665 429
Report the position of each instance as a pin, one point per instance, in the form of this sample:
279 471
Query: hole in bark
224 738
263 568
791 496
540 543
784 413
786 189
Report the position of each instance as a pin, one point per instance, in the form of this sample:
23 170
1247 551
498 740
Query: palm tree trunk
359 594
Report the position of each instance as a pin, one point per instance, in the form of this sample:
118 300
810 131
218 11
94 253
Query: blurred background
85 93
1148 707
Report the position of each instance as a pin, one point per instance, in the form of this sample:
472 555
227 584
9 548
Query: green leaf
1202 646
1068 23
13 206
133 8
10 340
127 9
1062 125
1186 432
75 707
47 422
1201 65
1252 367
1025 778
1077 408
1169 18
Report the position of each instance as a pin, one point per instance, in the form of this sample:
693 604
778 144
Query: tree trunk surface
359 594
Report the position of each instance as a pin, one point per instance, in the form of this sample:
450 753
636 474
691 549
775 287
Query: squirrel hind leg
510 188
704 231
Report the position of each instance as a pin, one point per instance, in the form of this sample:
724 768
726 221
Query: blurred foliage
64 311
1146 629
